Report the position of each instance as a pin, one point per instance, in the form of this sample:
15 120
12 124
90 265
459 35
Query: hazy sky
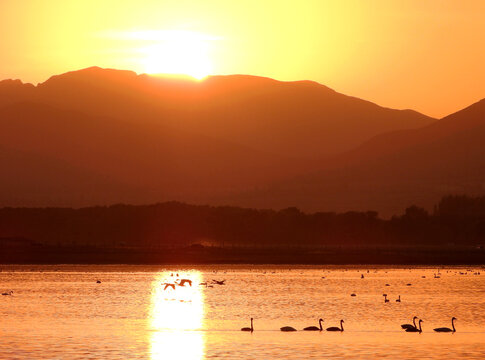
424 55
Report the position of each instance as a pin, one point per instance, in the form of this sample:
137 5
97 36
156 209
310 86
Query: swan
251 329
315 328
407 326
335 328
7 293
416 329
287 328
386 300
398 299
445 329
222 282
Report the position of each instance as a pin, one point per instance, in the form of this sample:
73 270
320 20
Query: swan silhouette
445 329
414 329
251 329
287 328
335 328
398 299
386 300
7 293
315 328
408 326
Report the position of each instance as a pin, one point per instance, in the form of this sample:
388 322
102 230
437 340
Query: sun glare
175 52
177 319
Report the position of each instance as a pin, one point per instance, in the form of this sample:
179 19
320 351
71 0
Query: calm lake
61 312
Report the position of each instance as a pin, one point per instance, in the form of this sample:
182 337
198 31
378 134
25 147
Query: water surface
62 312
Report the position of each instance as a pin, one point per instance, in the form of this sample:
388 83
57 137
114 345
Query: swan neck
320 323
453 324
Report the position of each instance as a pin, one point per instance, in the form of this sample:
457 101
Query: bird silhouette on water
336 328
445 329
251 329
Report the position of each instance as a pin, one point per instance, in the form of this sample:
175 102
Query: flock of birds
183 282
412 328
406 327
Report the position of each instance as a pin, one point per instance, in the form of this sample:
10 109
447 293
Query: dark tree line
457 221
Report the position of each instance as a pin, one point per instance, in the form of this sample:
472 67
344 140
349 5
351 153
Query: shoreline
218 256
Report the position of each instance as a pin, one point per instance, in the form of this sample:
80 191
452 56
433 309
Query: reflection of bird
184 281
248 328
7 293
386 300
218 282
415 329
315 328
398 299
167 285
335 328
287 328
445 329
407 326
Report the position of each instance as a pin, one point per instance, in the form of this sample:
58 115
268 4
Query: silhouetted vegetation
457 222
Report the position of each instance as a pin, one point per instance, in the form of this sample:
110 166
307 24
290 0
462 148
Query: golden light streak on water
176 318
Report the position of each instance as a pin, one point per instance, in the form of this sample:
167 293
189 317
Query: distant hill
393 170
153 161
291 119
100 136
30 179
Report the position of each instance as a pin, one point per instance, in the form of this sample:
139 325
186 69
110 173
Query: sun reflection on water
176 318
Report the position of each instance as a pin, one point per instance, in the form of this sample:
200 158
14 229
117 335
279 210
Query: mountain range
101 136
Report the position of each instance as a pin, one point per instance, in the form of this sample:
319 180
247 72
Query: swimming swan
315 328
251 329
335 328
416 329
287 328
445 329
407 326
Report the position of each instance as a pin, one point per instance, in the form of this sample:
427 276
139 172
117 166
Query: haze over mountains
99 136
394 170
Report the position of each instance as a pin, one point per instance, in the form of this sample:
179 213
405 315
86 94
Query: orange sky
424 55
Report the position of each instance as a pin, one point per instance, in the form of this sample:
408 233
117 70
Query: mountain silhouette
394 170
292 119
159 161
107 136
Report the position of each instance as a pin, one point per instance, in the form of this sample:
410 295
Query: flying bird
167 285
183 282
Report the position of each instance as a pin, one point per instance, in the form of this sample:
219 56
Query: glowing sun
176 52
